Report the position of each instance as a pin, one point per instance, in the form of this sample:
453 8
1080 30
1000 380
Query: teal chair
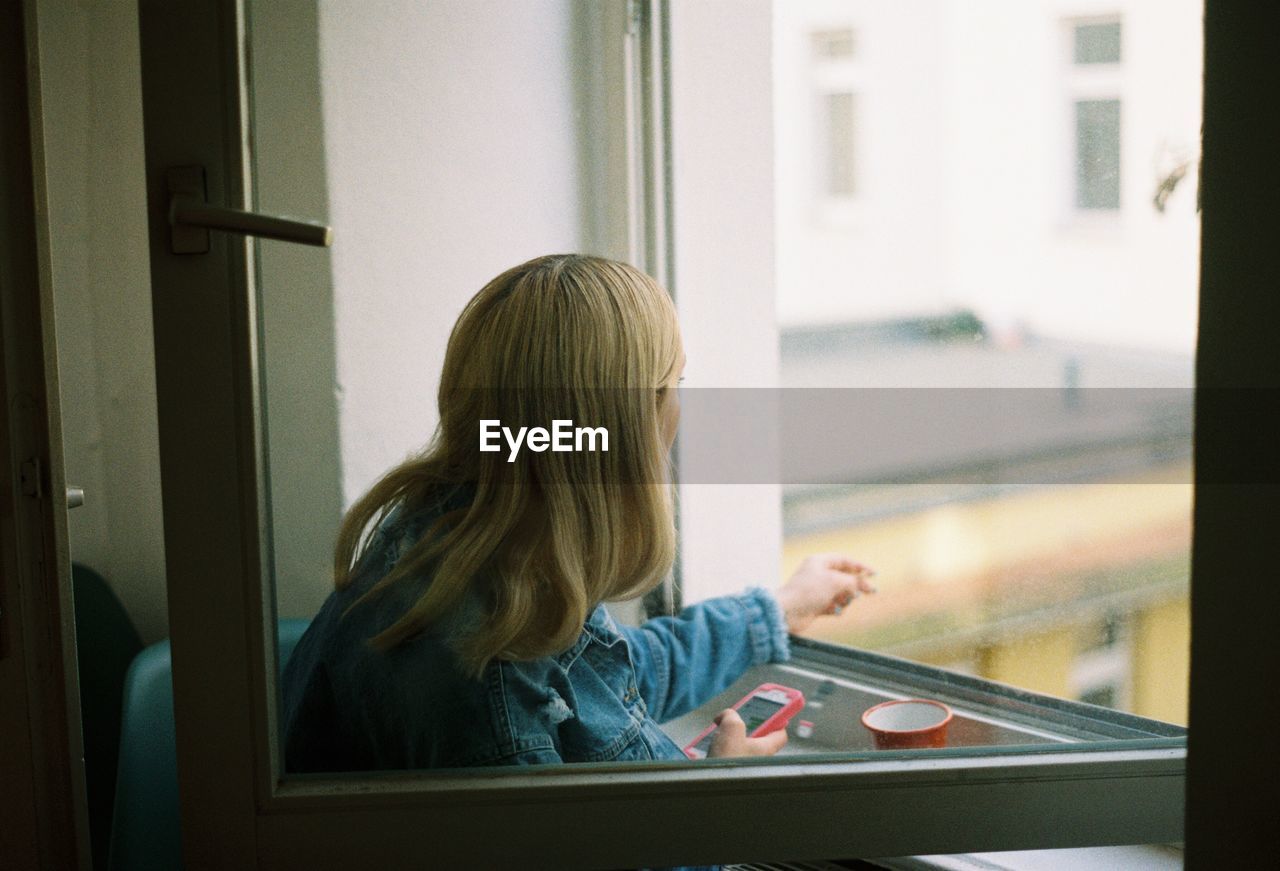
145 831
106 643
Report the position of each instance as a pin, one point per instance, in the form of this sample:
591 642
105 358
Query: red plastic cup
906 723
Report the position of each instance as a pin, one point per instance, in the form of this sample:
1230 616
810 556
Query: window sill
839 683
1136 858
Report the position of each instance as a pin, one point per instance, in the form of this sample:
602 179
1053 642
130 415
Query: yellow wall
1162 661
942 549
1040 662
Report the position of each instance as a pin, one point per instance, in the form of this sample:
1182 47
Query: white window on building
836 78
833 44
1097 126
1094 84
838 122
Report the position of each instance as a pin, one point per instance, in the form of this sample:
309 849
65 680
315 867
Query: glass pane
1098 154
1097 43
952 339
833 44
450 141
445 142
839 116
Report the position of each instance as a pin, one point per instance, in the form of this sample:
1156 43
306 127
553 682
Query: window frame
830 76
1089 82
237 808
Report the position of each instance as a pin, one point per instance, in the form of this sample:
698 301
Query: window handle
191 218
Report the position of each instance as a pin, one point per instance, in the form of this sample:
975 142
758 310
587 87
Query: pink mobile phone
767 708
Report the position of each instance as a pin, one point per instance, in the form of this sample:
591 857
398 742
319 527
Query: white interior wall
453 147
723 194
460 138
297 303
92 102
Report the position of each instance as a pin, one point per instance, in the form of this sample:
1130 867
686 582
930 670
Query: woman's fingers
767 745
730 735
731 739
843 563
847 587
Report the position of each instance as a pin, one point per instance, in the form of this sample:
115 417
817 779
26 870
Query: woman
467 625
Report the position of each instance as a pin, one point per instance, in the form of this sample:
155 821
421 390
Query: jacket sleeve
681 662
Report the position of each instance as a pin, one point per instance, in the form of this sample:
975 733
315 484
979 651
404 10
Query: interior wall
721 92
92 102
455 150
444 142
297 303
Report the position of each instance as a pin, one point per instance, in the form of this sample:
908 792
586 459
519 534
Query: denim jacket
348 707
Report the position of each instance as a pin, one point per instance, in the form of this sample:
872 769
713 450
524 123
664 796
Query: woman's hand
730 738
824 584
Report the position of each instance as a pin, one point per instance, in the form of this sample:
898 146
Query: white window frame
829 76
1100 81
237 809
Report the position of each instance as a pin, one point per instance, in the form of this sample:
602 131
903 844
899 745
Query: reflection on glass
972 265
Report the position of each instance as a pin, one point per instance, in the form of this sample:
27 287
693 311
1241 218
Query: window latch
191 218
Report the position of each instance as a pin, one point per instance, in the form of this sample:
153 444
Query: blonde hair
551 535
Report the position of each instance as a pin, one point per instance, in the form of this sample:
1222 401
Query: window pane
1097 43
1098 154
396 124
833 44
839 115
969 280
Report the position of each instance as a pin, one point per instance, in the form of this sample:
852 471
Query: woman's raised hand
824 584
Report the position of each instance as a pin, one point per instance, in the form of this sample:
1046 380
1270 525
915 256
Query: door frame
42 805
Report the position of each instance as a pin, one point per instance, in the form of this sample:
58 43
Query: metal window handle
191 218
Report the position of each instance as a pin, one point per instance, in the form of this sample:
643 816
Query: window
1097 154
838 112
1094 78
1097 43
837 43
1103 668
733 312
1001 545
834 74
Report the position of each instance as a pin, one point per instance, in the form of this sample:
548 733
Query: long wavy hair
551 535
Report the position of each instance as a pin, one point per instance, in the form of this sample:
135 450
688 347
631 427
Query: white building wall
885 255
966 150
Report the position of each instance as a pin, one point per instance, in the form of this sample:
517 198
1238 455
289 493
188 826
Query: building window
835 73
1101 673
838 118
1097 124
1094 84
1097 43
837 43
